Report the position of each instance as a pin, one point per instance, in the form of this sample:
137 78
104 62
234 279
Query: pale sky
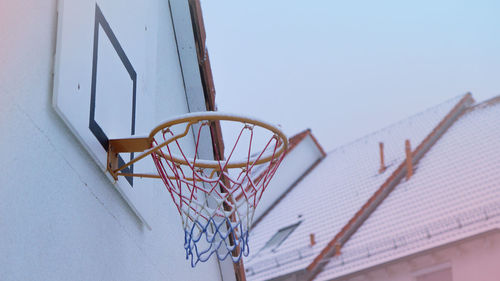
348 68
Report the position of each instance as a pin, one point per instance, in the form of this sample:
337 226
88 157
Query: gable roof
298 138
405 168
328 197
454 194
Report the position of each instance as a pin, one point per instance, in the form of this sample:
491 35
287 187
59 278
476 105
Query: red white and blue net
216 199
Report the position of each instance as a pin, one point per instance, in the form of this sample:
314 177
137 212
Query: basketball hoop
215 198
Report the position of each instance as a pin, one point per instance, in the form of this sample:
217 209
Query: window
439 274
279 237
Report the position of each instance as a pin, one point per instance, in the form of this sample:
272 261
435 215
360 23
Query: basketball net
216 199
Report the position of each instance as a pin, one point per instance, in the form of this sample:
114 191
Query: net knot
249 127
166 130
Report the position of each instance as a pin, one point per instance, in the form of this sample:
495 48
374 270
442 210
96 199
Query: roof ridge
395 123
333 247
489 102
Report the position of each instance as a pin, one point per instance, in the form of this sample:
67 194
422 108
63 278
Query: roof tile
455 193
330 194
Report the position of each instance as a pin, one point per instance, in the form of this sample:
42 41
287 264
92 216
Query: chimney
337 249
409 160
311 238
382 164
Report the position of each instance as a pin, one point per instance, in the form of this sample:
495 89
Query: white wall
60 217
295 164
470 260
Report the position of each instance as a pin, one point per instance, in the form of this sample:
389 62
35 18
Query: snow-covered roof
327 198
453 194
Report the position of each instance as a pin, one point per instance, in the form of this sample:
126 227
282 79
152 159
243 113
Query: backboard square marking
95 128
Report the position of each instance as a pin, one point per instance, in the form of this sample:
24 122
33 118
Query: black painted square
94 127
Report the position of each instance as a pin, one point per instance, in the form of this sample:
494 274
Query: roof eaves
206 74
334 246
491 231
209 92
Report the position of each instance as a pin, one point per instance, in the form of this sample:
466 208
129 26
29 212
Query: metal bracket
117 146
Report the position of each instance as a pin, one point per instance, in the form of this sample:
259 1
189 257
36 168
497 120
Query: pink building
418 200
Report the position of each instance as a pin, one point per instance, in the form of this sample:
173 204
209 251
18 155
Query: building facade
61 217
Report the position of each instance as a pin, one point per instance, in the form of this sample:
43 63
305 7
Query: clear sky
348 68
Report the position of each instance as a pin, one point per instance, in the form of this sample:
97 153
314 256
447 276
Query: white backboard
107 78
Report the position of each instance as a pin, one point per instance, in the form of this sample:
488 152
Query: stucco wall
473 259
60 217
